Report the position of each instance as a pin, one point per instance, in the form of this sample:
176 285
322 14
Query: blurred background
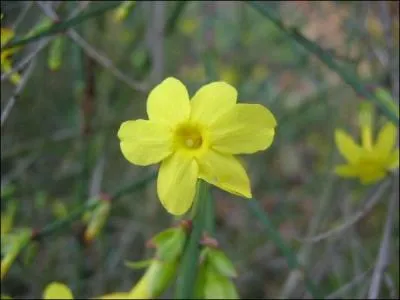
59 145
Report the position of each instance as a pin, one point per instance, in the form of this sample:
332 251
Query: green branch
348 77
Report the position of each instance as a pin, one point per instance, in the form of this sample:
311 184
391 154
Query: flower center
189 137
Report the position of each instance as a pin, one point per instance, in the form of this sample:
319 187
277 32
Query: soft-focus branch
96 55
370 203
383 259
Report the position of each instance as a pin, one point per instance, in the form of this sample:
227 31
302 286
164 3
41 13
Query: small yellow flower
369 161
6 35
196 139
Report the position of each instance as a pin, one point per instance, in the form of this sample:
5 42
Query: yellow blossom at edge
370 162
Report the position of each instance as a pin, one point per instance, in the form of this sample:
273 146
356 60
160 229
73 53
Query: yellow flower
369 161
196 139
57 290
6 35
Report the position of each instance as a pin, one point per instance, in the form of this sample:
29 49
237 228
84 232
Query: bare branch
370 203
40 45
384 252
93 53
10 104
344 289
22 14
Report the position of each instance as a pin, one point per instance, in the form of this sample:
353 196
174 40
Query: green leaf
7 191
30 252
349 77
218 286
136 265
387 99
62 26
55 53
43 24
221 263
162 275
200 281
172 247
163 236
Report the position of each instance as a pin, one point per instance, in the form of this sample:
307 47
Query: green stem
61 26
188 270
348 77
209 217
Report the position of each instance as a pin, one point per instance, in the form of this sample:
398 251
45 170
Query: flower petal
225 172
372 177
347 171
176 183
386 139
211 101
393 161
347 147
169 102
246 128
145 142
57 290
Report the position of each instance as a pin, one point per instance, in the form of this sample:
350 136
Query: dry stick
155 39
106 62
347 287
384 252
97 56
351 238
370 203
97 177
393 55
306 249
7 109
22 15
22 64
366 257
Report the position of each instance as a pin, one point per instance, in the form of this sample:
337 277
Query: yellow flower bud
122 11
97 220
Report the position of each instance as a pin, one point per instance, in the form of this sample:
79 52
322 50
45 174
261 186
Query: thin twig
384 251
97 176
10 104
155 39
22 14
305 251
97 56
347 287
370 203
392 53
106 62
40 46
